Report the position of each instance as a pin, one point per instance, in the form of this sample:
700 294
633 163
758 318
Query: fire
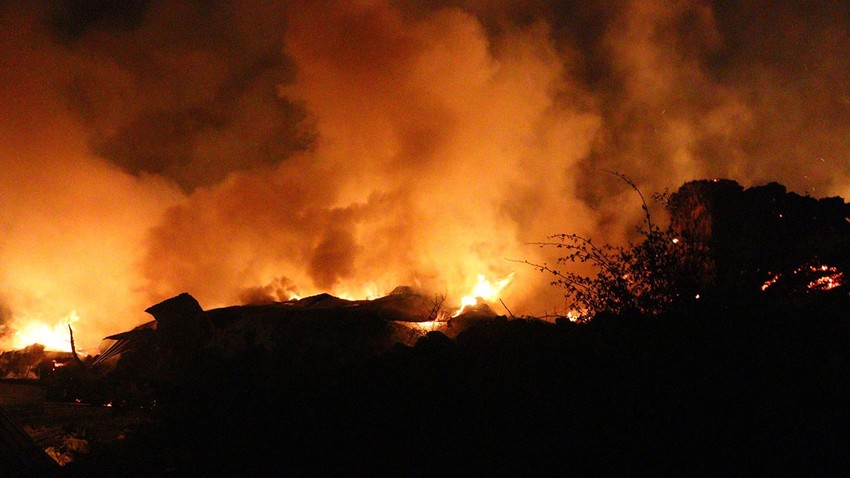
827 282
430 326
369 291
833 279
769 282
53 337
830 278
574 316
484 290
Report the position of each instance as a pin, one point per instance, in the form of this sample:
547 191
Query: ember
770 282
827 282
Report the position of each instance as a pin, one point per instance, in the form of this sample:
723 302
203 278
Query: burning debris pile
302 329
31 362
188 354
317 322
308 335
762 238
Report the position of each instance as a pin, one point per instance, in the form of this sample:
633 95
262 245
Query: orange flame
768 283
484 290
828 282
53 337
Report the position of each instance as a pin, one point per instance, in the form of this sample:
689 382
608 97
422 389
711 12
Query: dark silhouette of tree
646 277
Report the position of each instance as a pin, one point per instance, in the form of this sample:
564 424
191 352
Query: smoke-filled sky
240 150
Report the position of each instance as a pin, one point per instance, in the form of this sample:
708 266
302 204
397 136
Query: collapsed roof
318 322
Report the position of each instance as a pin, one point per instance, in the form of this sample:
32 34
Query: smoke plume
251 151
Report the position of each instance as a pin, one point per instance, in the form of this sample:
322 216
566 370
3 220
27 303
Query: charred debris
308 331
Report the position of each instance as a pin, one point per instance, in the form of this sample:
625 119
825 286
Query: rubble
31 362
19 455
360 327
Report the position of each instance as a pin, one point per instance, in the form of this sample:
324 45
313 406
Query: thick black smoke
756 90
183 89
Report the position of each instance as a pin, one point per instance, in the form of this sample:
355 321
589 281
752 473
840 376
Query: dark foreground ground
716 389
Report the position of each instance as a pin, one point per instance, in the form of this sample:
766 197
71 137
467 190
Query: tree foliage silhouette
646 277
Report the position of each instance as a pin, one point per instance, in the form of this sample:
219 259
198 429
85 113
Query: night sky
249 149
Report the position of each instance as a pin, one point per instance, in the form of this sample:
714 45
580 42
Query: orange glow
827 282
367 145
53 337
574 316
368 292
769 282
430 326
833 278
484 290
